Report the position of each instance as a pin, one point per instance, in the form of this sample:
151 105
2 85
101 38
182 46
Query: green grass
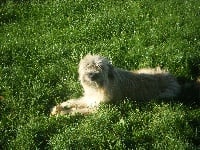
41 43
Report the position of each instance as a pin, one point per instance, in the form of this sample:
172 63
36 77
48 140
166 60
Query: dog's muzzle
93 76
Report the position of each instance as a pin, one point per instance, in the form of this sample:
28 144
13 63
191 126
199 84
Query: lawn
41 44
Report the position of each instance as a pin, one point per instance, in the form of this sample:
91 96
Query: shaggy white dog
103 83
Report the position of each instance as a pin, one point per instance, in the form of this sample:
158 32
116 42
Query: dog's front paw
61 109
56 110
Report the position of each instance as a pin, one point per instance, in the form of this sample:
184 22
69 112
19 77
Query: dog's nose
93 76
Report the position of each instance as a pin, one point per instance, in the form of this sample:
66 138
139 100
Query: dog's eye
100 67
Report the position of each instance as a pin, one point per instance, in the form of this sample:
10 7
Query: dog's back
145 84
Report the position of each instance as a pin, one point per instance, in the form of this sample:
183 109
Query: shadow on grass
190 92
194 65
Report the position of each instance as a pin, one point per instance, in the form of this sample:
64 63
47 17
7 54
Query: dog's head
95 70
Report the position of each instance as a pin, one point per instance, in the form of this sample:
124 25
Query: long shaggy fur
104 83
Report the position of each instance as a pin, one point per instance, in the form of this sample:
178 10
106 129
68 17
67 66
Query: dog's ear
110 71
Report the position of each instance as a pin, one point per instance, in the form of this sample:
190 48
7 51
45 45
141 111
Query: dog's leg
72 106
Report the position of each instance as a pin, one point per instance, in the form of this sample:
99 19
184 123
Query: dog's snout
93 76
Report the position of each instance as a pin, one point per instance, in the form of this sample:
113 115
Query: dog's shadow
190 92
190 89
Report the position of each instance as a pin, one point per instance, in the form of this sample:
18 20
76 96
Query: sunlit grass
41 43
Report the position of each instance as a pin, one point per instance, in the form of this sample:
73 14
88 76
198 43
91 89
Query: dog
104 83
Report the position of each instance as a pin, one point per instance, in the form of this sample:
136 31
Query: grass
41 43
